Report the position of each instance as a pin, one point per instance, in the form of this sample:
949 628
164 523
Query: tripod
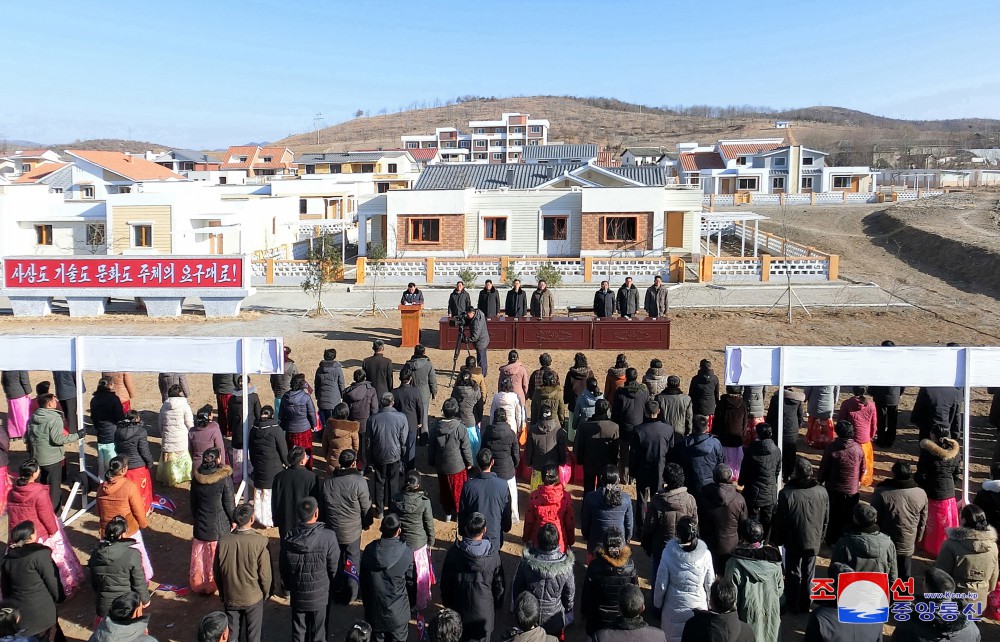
459 340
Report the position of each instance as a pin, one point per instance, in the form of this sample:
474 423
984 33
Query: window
554 228
620 228
242 159
694 180
265 159
464 144
95 234
367 168
88 191
480 156
480 144
450 144
336 168
222 180
310 169
303 206
142 235
497 156
57 190
536 129
747 184
807 160
741 161
480 130
381 188
807 183
495 229
778 182
780 161
124 189
393 168
425 230
187 167
498 130
43 235
412 144
533 141
842 182
519 130
431 145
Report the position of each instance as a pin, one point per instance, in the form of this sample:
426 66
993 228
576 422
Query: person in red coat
550 503
861 411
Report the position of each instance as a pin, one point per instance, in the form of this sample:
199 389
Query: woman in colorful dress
132 442
176 419
205 434
937 472
17 389
417 521
268 457
119 496
297 416
212 506
30 501
860 411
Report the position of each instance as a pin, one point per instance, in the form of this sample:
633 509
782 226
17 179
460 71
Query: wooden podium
411 325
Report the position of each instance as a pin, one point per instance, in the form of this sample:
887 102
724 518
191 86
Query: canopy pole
756 231
245 424
967 422
781 410
78 373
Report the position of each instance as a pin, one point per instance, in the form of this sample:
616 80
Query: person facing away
604 302
720 510
627 410
346 509
683 579
615 377
516 301
759 477
341 433
29 578
546 571
446 626
378 368
824 622
652 442
416 519
550 503
105 413
902 514
546 445
46 442
793 414
864 548
755 570
328 385
547 391
243 575
655 377
116 568
676 408
942 626
840 472
362 401
425 380
290 487
666 508
388 583
125 621
214 627
721 622
519 379
584 407
459 300
597 444
610 573
280 383
499 436
701 454
576 381
527 614
937 472
969 555
627 299
606 507
489 495
409 402
704 390
507 400
472 580
489 300
308 564
450 453
212 505
385 445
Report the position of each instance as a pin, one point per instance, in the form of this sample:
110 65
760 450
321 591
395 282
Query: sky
210 74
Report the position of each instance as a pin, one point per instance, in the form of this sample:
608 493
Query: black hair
9 616
116 467
123 606
699 424
751 531
687 530
938 581
865 515
975 518
358 376
450 408
298 382
446 626
133 417
602 408
499 416
419 350
705 365
631 374
612 489
412 483
614 542
902 470
506 385
621 361
470 362
550 475
296 455
21 533
476 525
545 360
243 515
548 537
203 417
940 434
210 459
44 400
341 411
844 429
722 598
802 470
104 384
390 525
377 345
26 471
549 378
361 631
580 360
888 343
592 384
764 431
115 529
652 408
860 391
734 390
512 356
673 381
305 509
631 601
527 611
484 458
212 626
330 354
673 475
655 363
175 391
405 374
464 378
347 458
42 388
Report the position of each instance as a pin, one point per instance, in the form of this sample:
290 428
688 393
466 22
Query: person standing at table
489 300
516 303
412 295
604 302
17 389
543 302
656 299
459 300
628 299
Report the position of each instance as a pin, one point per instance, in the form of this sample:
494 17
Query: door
674 230
555 236
855 184
726 186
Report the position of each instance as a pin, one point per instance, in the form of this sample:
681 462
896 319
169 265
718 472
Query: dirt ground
943 312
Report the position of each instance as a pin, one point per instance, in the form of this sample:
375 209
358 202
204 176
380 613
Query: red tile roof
607 159
695 161
40 172
254 155
732 150
131 167
30 153
423 155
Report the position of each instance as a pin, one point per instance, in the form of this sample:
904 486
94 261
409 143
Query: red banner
141 272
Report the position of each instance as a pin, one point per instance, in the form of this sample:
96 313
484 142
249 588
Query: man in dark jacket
864 548
597 444
472 580
516 302
656 299
704 391
388 583
489 300
604 302
840 470
759 477
527 614
720 510
412 295
290 487
224 387
665 509
701 454
105 413
409 402
721 623
675 408
825 626
479 335
243 574
282 383
902 514
459 300
631 626
934 407
793 414
308 565
651 442
800 523
65 384
361 399
329 385
385 445
627 299
627 410
547 572
378 368
486 493
346 508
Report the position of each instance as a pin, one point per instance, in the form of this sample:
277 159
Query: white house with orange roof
259 161
96 174
23 161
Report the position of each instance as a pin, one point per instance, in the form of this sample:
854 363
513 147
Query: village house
97 174
259 162
486 141
648 156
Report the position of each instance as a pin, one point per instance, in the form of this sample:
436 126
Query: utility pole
317 120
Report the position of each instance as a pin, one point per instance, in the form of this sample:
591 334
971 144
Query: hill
112 145
608 122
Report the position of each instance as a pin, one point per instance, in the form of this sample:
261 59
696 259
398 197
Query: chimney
510 177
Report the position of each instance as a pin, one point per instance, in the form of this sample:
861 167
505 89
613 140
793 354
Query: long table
568 333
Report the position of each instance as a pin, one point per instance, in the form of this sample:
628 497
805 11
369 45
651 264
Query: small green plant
324 262
468 277
548 273
512 276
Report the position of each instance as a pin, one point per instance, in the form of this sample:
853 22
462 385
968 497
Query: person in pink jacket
860 411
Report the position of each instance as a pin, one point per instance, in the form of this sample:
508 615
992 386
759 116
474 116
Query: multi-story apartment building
486 141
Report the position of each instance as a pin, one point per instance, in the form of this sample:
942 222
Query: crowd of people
732 522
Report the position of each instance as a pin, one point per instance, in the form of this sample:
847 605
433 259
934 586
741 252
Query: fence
711 201
764 268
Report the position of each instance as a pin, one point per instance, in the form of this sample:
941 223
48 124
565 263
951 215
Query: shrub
548 273
468 277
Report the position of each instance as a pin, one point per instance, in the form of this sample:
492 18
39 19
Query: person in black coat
105 413
627 410
652 441
721 623
308 564
759 477
597 444
472 581
486 493
412 295
235 418
378 369
604 302
132 441
459 300
290 487
328 385
29 578
388 583
607 576
501 440
489 300
793 415
409 402
935 407
631 626
116 568
212 505
268 458
65 384
704 391
516 302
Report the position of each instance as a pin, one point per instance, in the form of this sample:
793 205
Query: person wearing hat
378 369
388 582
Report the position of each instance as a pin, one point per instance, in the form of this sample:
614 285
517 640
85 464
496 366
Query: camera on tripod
458 321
